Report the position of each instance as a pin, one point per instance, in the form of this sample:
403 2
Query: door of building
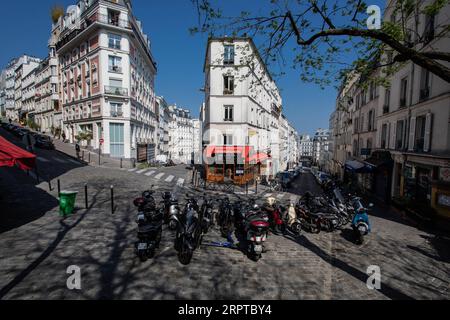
117 141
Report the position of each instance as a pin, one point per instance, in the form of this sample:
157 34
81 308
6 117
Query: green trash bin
67 202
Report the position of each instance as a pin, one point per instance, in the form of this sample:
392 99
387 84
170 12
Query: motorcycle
225 217
255 227
292 222
189 231
360 223
171 210
206 215
274 213
149 220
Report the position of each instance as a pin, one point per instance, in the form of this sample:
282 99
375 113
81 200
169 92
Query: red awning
11 155
258 158
243 150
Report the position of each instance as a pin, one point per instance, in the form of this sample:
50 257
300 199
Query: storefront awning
244 151
258 158
357 167
11 155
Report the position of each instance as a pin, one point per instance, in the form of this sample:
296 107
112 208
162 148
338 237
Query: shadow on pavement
388 291
21 201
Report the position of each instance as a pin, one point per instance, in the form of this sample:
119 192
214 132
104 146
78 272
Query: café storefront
234 164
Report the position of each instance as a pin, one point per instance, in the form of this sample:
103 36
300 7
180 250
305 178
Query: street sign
102 141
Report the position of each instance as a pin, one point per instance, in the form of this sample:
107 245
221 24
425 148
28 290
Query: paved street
36 247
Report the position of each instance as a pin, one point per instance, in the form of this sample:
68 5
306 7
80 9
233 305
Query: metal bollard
112 199
59 188
121 163
246 188
86 196
99 160
82 156
256 189
89 157
50 185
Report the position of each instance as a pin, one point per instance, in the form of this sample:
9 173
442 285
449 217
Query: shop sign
444 174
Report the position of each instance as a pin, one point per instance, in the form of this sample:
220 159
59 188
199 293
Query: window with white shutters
393 135
412 133
427 136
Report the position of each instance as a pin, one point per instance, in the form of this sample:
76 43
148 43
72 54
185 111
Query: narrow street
39 245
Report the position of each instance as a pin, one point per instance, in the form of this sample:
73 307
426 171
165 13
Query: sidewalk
89 157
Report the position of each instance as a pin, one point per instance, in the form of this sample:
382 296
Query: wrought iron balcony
113 21
117 91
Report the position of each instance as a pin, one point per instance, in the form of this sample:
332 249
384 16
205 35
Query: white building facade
242 102
107 75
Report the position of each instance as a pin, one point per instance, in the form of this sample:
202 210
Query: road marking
141 171
132 170
159 176
180 182
268 195
279 196
43 159
170 178
148 174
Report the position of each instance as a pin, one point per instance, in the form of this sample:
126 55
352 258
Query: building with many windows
243 110
181 132
163 113
306 147
400 133
107 74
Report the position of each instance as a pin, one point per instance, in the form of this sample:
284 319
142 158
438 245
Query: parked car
284 178
322 177
44 142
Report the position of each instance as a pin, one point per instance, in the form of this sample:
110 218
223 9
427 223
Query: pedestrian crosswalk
170 178
160 176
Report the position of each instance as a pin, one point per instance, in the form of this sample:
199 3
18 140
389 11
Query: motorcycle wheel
158 238
359 238
297 229
185 256
177 244
142 256
173 225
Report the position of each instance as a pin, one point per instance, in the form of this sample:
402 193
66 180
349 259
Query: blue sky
179 55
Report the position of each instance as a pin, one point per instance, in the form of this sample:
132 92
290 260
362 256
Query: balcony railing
402 103
116 114
117 91
115 69
113 21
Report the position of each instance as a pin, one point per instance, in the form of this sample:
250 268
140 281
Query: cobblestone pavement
36 251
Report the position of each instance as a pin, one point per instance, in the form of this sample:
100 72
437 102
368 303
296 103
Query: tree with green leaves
323 34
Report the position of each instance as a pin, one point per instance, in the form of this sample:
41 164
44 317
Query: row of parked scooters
245 219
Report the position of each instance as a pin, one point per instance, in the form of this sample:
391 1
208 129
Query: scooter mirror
371 205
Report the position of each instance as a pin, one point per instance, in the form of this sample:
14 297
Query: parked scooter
360 223
255 228
171 210
189 231
274 213
293 223
150 221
